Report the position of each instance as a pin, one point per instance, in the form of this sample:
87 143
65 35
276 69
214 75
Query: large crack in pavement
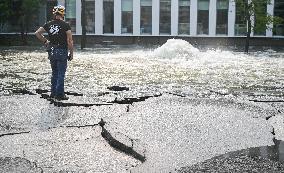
120 146
116 144
127 101
44 95
14 133
112 141
267 101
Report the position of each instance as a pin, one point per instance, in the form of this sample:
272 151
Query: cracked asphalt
128 113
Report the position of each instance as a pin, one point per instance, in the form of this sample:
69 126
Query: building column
99 17
174 17
136 17
251 21
231 18
117 17
193 17
252 24
78 18
212 17
155 17
270 11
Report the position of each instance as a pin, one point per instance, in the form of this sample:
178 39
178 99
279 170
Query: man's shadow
52 116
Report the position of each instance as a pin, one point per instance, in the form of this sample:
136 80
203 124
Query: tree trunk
83 23
248 37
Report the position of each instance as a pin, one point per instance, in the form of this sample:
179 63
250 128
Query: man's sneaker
63 97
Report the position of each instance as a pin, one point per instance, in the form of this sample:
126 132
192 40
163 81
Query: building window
165 17
184 17
127 16
146 17
240 22
278 30
90 16
222 17
70 8
260 14
203 17
108 16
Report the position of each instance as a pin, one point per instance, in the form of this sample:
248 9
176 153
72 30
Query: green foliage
5 11
256 9
18 12
28 8
277 20
254 13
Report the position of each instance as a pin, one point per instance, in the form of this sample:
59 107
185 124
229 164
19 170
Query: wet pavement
141 111
259 159
69 138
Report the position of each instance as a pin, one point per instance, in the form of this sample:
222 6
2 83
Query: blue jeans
58 60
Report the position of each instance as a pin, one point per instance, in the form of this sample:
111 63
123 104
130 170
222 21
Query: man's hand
70 44
46 43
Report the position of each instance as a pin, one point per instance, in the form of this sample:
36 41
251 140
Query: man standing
60 41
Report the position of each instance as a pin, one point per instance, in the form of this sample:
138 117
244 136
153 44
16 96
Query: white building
209 18
189 18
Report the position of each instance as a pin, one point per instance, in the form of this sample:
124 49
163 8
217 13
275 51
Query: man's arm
39 35
70 43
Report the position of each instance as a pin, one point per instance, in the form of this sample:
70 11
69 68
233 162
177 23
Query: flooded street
175 66
175 105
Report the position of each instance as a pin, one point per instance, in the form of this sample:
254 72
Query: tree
28 8
5 12
19 13
256 17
